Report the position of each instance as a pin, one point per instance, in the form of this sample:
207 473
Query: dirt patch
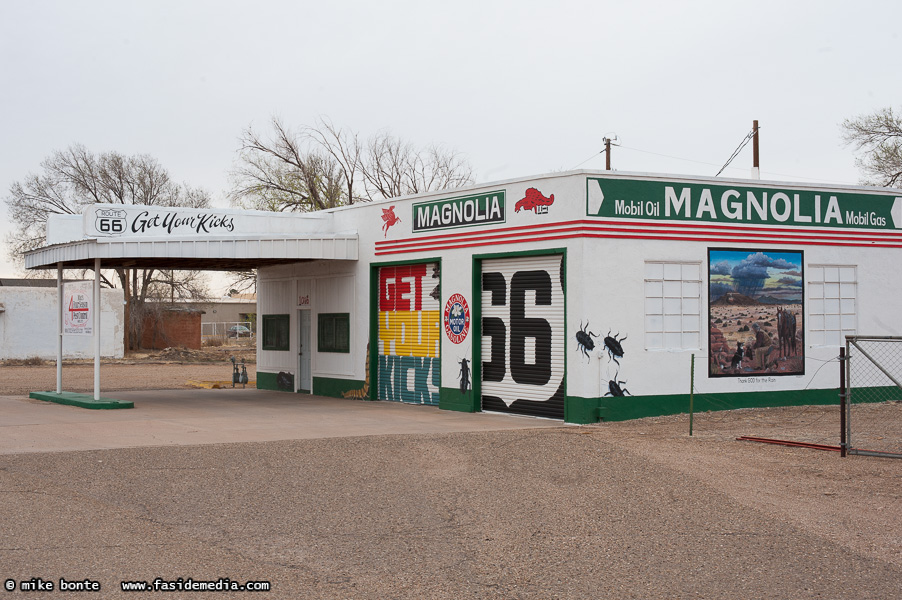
155 374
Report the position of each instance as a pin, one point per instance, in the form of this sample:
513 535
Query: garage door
409 334
523 335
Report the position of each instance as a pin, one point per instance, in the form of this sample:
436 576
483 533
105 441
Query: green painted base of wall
452 399
266 381
336 388
81 400
623 408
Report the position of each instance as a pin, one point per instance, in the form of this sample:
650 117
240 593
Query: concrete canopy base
82 400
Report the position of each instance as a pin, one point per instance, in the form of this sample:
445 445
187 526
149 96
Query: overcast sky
520 88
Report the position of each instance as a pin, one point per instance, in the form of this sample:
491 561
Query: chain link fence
227 331
872 407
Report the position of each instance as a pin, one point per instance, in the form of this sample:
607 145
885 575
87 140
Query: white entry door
305 352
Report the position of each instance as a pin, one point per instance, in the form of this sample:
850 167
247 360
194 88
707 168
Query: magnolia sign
481 209
661 200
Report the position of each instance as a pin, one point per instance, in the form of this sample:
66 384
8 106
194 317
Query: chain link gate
872 396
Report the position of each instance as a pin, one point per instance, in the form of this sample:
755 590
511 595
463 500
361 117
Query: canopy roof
188 239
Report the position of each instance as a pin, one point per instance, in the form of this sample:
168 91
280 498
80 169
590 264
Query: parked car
239 331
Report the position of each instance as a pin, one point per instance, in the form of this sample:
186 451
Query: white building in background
28 323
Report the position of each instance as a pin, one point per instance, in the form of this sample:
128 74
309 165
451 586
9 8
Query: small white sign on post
78 308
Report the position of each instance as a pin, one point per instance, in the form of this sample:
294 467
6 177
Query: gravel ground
615 510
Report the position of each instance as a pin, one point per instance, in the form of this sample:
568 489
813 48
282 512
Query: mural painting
755 312
410 325
389 218
523 335
535 201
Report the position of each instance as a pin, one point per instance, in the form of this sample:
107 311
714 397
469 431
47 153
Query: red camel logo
535 201
389 217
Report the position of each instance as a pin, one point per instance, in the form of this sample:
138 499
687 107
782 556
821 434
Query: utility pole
607 154
756 173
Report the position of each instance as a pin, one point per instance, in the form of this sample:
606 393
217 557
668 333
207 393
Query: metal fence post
842 401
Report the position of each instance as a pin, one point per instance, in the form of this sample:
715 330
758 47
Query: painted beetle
615 389
464 375
584 341
612 345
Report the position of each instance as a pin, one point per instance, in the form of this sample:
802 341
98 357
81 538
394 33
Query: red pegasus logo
535 201
389 218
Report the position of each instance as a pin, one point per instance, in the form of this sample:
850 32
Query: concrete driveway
187 417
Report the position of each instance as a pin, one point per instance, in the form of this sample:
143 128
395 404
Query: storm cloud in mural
755 312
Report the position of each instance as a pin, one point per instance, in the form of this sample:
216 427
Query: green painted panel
266 381
580 410
338 388
682 201
452 399
449 213
270 381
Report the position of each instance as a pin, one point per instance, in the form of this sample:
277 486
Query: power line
742 144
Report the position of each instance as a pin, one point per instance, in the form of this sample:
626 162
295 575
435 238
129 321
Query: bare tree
281 174
392 167
73 178
324 166
879 136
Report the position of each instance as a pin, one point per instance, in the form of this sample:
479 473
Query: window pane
673 288
831 290
816 321
847 306
672 271
690 340
831 274
690 306
816 290
690 323
654 340
816 338
831 306
832 322
847 274
654 323
654 270
673 306
691 289
654 289
848 321
673 340
816 306
654 306
815 273
672 322
847 290
690 272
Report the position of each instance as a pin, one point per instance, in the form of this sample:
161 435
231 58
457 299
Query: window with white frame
672 305
832 299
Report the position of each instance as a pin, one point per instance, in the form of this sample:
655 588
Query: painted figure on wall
755 312
389 218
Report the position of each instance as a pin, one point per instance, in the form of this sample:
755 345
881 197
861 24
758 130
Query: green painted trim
81 400
335 388
452 399
374 314
592 410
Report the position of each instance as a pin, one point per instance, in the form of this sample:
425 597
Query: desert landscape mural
755 312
